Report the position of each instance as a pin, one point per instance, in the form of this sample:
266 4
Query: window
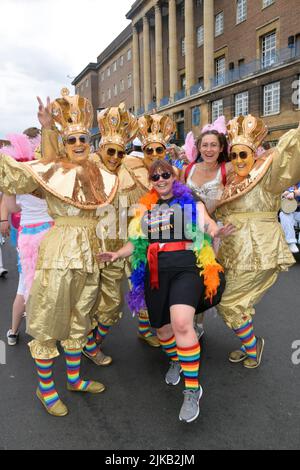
129 54
182 82
241 11
182 10
196 116
242 104
217 109
272 99
266 3
220 70
129 80
108 72
115 90
109 94
103 96
87 83
122 86
121 61
115 66
102 76
200 36
183 47
268 50
219 24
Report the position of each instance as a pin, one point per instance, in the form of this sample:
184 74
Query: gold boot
93 387
151 340
58 410
100 359
237 356
252 363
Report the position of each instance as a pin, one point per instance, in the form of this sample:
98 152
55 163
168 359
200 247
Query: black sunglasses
111 152
155 178
242 155
158 150
83 139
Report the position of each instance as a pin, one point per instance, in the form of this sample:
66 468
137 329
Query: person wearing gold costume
65 291
255 254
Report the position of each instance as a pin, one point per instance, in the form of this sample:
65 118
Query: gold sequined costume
257 252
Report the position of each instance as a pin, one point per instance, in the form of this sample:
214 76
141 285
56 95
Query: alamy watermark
2 353
296 353
296 93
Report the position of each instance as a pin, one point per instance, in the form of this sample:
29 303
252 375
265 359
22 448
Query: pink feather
22 148
190 147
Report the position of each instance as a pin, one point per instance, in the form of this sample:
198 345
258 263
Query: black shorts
178 287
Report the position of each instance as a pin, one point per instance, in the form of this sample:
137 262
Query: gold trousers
61 307
244 289
109 309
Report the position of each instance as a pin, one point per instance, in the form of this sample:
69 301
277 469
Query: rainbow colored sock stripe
246 335
170 348
190 363
102 331
144 327
91 346
73 361
46 383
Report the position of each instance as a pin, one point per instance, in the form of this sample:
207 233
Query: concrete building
199 59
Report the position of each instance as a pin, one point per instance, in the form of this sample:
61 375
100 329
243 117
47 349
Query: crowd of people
192 229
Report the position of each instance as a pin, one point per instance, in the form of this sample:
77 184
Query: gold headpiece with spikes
155 128
73 113
247 130
117 126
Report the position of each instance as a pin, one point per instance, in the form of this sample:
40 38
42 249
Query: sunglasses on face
112 152
83 139
158 150
242 155
165 176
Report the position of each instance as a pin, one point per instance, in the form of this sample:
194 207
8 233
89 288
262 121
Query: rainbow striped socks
144 327
46 383
91 346
246 335
190 362
73 361
170 348
101 332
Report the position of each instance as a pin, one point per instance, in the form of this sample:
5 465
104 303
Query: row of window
114 66
107 96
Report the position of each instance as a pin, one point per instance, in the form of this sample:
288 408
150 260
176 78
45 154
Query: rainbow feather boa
205 257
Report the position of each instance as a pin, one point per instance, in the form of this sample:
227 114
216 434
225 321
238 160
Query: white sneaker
3 272
12 339
293 248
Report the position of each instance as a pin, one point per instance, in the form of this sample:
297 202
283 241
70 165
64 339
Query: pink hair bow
219 125
190 147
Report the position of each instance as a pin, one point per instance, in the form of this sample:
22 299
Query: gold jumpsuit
255 254
65 292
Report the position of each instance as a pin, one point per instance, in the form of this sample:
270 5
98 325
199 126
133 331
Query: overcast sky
42 42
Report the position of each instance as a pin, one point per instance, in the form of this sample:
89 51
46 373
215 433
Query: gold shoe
59 409
100 359
252 363
93 387
237 356
151 340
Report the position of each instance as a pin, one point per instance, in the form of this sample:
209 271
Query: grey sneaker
12 339
173 374
190 409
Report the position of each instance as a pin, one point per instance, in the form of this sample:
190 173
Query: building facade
199 59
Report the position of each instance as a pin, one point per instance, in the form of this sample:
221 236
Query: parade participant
257 251
289 219
137 149
34 224
65 291
175 264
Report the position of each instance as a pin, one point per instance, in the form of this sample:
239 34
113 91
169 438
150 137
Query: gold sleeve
15 178
49 145
285 168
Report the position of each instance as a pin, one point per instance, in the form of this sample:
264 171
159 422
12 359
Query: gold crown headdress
247 130
155 128
117 125
73 113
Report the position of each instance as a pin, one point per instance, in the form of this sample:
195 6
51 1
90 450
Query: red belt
153 250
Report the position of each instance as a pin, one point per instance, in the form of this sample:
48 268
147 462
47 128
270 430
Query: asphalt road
241 409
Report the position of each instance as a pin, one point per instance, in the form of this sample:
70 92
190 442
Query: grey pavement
240 409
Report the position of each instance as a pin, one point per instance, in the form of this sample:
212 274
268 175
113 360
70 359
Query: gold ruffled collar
85 187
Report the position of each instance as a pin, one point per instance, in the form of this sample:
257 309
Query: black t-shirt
166 224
